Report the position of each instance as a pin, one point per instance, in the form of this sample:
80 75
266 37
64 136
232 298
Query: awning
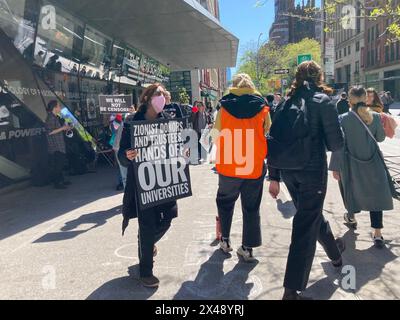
178 33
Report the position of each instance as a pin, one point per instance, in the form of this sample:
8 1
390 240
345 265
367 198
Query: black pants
152 227
57 162
251 192
376 218
308 191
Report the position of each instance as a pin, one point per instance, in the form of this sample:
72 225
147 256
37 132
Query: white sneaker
246 254
225 246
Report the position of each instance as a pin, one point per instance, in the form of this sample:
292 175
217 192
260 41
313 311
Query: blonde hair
358 101
243 80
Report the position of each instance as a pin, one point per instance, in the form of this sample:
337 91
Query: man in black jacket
343 105
308 186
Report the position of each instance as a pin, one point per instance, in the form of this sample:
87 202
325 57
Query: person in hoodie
239 132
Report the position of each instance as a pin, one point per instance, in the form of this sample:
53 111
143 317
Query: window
349 50
357 67
392 52
377 31
345 51
340 54
65 40
357 46
17 21
386 54
96 49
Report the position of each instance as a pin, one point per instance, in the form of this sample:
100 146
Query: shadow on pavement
287 208
368 265
124 288
24 209
96 219
211 282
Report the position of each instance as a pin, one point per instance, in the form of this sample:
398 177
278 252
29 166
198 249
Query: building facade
381 56
57 50
289 27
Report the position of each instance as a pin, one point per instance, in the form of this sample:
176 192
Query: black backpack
289 141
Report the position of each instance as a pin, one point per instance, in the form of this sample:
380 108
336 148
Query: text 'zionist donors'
161 169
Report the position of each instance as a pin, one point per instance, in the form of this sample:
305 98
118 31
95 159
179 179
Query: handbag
392 181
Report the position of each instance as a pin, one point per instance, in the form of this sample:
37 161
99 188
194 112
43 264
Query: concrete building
98 47
292 29
280 29
349 46
382 58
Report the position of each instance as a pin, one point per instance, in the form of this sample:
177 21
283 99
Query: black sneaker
342 247
294 296
379 242
150 282
351 222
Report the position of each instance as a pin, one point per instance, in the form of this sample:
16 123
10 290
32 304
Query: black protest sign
115 104
161 168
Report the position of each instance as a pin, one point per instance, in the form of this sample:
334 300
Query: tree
183 96
272 57
341 11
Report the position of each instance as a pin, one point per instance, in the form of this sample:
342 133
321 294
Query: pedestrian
116 127
389 102
360 167
240 128
374 102
154 222
172 109
200 122
272 107
314 129
56 144
343 105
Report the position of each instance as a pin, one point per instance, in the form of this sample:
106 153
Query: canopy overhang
178 33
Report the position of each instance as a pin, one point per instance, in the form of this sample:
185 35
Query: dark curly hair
310 72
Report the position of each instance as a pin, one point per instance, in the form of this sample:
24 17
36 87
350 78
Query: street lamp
258 61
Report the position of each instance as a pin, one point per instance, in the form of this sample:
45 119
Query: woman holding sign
153 222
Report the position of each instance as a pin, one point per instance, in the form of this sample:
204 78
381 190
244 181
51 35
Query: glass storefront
46 54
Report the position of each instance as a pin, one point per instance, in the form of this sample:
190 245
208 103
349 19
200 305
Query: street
68 245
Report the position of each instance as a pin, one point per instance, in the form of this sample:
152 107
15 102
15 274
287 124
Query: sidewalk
68 245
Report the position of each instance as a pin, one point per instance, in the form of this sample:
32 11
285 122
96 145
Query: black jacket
343 106
324 125
130 205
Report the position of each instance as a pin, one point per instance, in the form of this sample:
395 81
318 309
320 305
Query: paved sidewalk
68 245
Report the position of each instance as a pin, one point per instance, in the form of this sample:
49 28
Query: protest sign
115 104
161 169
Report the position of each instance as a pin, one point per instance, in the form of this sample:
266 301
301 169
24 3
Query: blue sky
246 21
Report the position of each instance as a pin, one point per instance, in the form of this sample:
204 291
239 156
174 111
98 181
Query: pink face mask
158 103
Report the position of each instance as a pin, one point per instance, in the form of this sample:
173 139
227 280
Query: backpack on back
289 141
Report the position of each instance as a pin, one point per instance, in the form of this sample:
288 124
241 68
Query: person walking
56 144
374 102
154 222
200 122
343 105
240 129
314 128
360 167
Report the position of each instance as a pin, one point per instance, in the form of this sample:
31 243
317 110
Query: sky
246 21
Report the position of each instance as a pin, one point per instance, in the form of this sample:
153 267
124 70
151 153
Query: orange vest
242 146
